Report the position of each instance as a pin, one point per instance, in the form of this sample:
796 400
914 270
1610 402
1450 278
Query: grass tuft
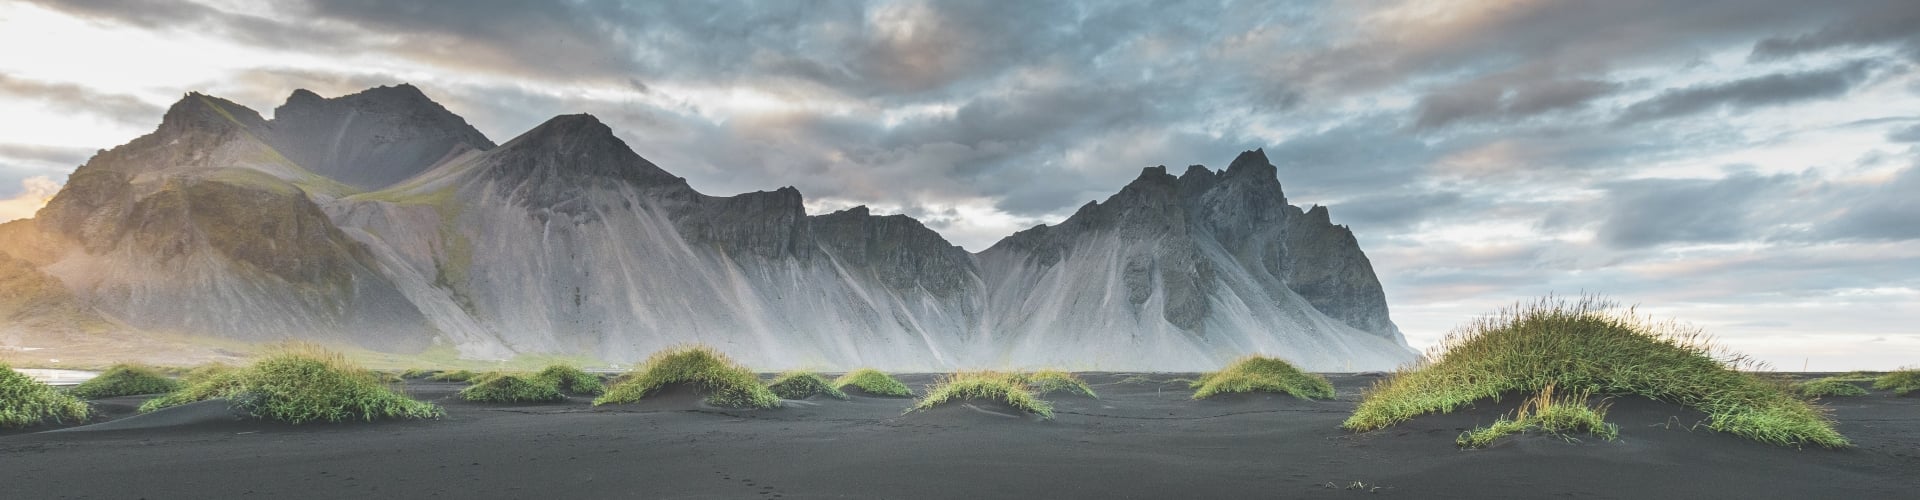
1901 382
305 383
125 380
992 386
726 383
1560 416
1044 382
874 382
1262 374
202 383
511 388
803 385
296 384
1589 346
1830 386
415 373
454 376
26 402
572 380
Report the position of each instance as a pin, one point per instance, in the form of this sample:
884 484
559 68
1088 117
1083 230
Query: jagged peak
1196 171
201 111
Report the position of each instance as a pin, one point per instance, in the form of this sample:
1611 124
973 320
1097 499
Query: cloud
1506 100
1891 22
1651 212
1910 133
34 193
69 97
1738 95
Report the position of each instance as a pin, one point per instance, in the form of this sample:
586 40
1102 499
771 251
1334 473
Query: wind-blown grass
991 386
1829 386
572 380
511 388
1262 374
454 376
1044 382
726 383
1589 346
1902 382
124 380
301 383
26 402
803 385
200 384
873 382
1561 416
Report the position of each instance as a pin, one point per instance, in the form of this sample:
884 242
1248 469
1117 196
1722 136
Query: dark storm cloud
68 97
1739 95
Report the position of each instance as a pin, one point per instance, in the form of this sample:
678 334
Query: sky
1749 167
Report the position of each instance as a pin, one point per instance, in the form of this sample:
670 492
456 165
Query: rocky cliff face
405 228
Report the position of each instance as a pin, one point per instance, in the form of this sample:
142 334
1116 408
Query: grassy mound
454 376
992 386
873 382
1902 382
299 384
125 380
304 384
27 402
572 380
726 383
414 373
200 384
1262 374
1830 386
803 385
1046 382
510 388
1586 347
1561 416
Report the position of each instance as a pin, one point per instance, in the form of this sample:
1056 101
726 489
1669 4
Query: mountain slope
564 240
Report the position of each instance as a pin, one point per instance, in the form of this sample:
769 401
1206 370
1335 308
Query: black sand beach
1139 440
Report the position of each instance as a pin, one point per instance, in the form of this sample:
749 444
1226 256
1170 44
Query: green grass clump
300 383
726 383
454 376
1046 382
1588 347
27 402
873 382
414 373
1562 416
1829 386
993 386
304 384
572 380
510 388
125 380
201 384
802 385
1262 374
1902 382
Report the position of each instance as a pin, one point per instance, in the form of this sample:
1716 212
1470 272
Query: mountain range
384 221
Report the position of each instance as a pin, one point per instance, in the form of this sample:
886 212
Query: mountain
382 220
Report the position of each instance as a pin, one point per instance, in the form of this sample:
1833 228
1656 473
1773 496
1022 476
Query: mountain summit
382 220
